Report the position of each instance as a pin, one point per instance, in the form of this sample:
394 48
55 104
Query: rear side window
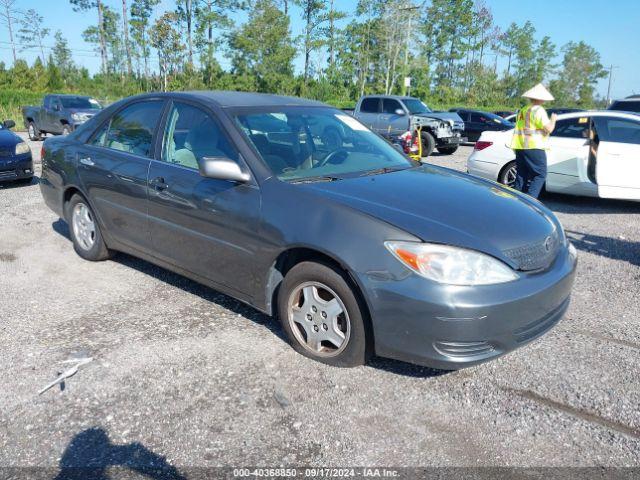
572 128
617 130
369 105
131 129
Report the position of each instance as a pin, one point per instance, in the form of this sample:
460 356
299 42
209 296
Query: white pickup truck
391 116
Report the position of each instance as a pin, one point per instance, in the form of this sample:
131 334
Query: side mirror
222 168
8 124
399 111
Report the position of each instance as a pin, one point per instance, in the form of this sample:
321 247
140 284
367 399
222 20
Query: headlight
22 148
76 116
451 265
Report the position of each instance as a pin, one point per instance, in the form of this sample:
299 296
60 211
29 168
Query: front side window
572 128
190 135
319 142
390 106
617 130
131 129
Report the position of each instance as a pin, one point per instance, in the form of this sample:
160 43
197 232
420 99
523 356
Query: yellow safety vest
529 132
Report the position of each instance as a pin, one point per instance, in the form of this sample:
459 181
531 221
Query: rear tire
34 133
322 316
85 231
428 144
507 175
447 150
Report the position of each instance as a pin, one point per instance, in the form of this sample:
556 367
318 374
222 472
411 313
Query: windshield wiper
326 178
378 171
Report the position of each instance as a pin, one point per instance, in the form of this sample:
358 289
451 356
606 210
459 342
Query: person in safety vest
529 142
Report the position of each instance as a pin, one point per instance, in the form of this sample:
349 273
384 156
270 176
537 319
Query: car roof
600 113
72 95
226 99
393 97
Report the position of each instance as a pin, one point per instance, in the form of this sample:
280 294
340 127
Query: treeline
452 50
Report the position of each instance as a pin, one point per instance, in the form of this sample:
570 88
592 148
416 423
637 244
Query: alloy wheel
84 228
319 320
510 177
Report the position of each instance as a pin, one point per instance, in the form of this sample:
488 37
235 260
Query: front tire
447 150
34 133
322 316
85 231
428 144
507 175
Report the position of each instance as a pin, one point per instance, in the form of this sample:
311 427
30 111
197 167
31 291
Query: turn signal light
482 145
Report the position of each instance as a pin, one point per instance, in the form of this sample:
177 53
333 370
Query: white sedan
595 154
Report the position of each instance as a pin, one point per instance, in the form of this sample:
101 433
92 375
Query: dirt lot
183 376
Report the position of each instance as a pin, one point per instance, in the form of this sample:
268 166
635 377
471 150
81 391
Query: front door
618 158
568 156
390 123
113 167
203 225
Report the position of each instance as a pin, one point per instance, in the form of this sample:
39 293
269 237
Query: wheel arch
294 255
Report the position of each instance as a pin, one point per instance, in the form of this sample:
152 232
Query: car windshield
319 143
80 102
498 119
626 106
416 106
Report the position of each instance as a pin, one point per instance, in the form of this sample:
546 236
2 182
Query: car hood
451 117
87 111
442 206
8 138
442 115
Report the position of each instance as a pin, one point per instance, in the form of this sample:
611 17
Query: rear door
47 114
204 225
369 111
389 122
113 167
618 158
568 156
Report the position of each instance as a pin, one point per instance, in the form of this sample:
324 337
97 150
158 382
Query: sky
611 27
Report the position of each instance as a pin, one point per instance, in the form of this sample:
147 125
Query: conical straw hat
539 92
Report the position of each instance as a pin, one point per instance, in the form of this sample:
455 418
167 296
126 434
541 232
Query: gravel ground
187 377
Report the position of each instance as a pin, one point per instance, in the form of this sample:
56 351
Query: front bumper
451 327
455 140
16 167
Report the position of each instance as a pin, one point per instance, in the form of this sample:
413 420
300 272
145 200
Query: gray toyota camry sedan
301 211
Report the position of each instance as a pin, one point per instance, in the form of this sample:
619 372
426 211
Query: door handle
87 161
159 184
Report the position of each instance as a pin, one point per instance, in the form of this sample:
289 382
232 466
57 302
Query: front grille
538 327
8 174
463 349
537 255
6 151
